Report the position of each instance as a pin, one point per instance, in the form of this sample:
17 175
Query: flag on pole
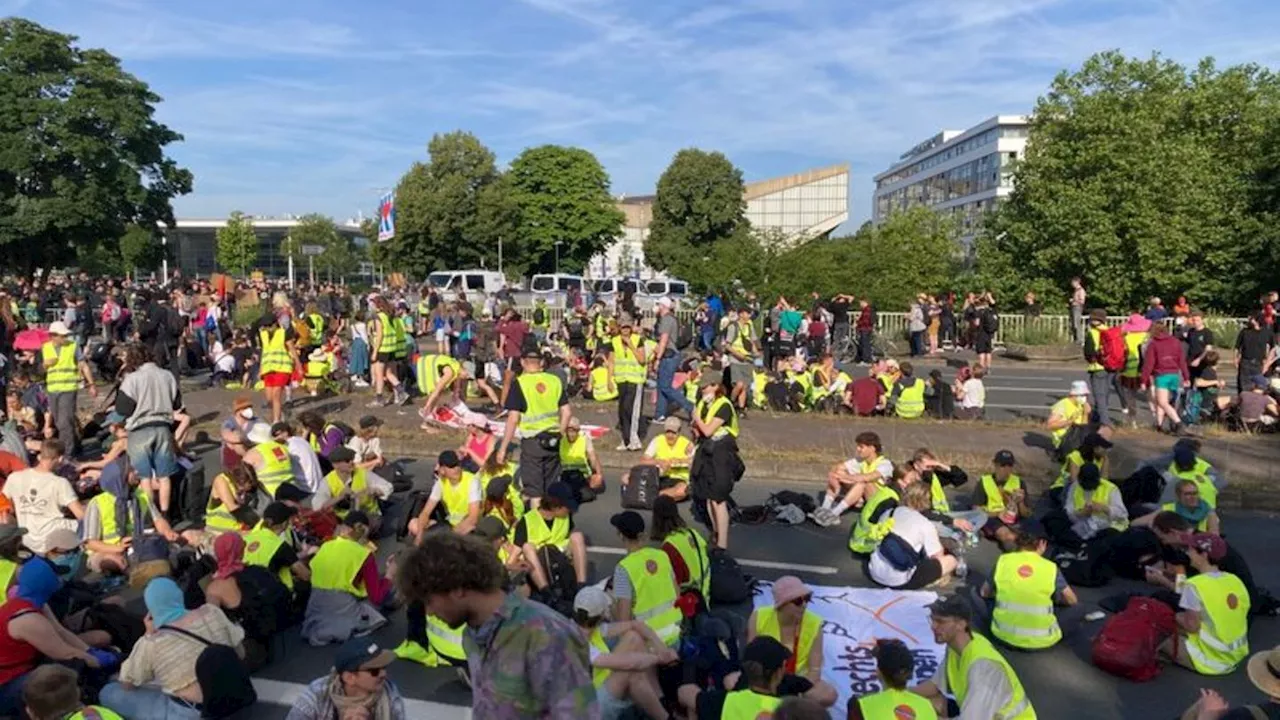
387 217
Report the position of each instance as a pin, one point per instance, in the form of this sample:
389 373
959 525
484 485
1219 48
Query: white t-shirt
853 466
365 449
360 331
919 532
306 466
38 498
975 394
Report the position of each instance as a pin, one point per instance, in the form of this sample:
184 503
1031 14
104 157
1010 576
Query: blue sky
294 106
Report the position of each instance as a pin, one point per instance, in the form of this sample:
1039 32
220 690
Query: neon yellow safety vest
980 648
546 316
1074 458
759 381
626 368
260 545
456 497
337 564
1023 615
600 391
316 321
706 411
424 308
748 705
806 385
359 482
8 571
316 370
691 390
407 342
573 455
866 535
315 439
446 641
111 525
1095 336
94 712
277 467
1222 642
740 338
391 336
275 352
539 535
938 497
810 632
219 517
910 402
1133 354
692 547
542 392
654 588
678 454
597 647
64 376
1071 409
995 493
431 369
1100 495
1201 526
893 704
1198 474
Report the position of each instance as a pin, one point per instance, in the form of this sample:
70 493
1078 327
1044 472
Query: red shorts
276 379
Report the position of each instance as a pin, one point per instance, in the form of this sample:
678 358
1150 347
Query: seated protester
910 556
907 396
644 585
624 658
1092 451
685 547
491 530
308 473
873 520
234 432
455 500
30 635
316 371
579 466
1186 464
895 666
672 453
251 596
1190 507
764 666
323 437
853 481
367 445
41 498
939 397
357 687
270 457
1213 625
350 487
551 525
981 680
600 385
346 588
1255 405
1206 401
52 692
273 545
938 476
1174 534
1002 497
792 624
91 469
1093 509
158 680
1264 673
503 501
232 498
116 515
479 446
1069 417
866 396
1025 587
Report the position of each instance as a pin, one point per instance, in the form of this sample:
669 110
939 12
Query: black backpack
729 585
224 679
684 338
562 583
539 315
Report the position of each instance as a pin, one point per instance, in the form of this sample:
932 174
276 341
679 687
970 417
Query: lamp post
558 244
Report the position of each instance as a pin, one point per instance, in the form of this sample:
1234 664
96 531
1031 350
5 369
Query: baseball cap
766 652
342 454
63 540
1004 458
361 654
672 424
57 327
497 488
277 512
9 532
1097 315
1080 387
952 606
369 421
629 523
562 492
592 600
448 459
489 528
288 492
1212 546
1260 381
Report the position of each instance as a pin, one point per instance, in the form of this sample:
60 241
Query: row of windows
970 145
987 172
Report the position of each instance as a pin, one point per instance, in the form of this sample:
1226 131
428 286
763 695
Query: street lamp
558 244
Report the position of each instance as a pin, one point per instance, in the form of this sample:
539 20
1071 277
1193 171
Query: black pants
630 399
1244 376
539 463
864 347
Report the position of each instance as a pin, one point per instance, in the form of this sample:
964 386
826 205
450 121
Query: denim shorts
151 452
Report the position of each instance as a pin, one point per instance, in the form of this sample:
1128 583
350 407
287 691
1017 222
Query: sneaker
818 516
834 521
377 403
415 652
635 447
622 447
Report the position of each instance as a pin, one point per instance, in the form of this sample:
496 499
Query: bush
1035 332
1225 331
246 315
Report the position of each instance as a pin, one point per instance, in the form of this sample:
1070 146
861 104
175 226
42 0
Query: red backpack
1127 644
1111 354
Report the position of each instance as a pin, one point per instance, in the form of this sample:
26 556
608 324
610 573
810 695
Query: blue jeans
667 367
145 703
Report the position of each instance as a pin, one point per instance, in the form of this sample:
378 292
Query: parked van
675 289
609 287
482 281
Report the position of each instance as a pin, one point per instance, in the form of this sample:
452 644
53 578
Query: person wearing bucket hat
794 625
65 367
1070 415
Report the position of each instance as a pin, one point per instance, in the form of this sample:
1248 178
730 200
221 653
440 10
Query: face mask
67 565
247 413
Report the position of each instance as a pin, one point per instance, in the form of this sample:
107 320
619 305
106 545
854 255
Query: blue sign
387 217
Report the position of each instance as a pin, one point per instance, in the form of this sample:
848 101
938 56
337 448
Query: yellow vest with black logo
995 492
275 352
359 482
106 503
980 648
1101 495
8 571
277 466
692 547
748 705
866 535
1133 354
896 705
546 316
598 647
938 497
741 336
678 454
446 641
910 402
260 545
600 391
626 368
1198 474
1023 615
654 588
1222 642
539 535
456 497
810 632
219 517
64 376
94 712
1095 336
542 391
573 455
392 336
1202 526
706 411
431 368
337 564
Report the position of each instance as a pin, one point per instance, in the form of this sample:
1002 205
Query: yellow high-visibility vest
893 704
277 466
1222 642
337 564
539 535
573 455
706 411
1023 615
654 599
866 535
542 391
260 545
626 368
64 376
810 632
359 482
980 648
275 352
692 547
910 402
678 454
600 391
995 492
1101 495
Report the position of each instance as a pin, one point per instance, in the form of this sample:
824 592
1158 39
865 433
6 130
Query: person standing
1100 379
64 367
1076 307
278 343
525 660
1253 344
667 330
839 306
148 399
538 408
716 464
512 332
743 345
626 366
865 327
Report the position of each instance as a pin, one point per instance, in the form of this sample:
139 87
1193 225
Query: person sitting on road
52 692
644 585
551 525
479 446
1002 497
865 396
251 596
1093 509
793 624
116 514
357 687
1191 507
1185 463
492 530
1264 673
1025 587
1069 415
1092 451
1213 625
456 493
351 487
232 498
274 546
673 454
346 587
624 658
873 520
270 457
910 556
907 396
503 501
685 546
764 666
579 466
1174 533
895 666
857 478
600 385
367 445
937 476
1255 405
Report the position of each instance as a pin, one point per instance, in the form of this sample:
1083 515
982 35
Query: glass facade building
191 244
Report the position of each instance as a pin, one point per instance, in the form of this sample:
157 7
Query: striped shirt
168 659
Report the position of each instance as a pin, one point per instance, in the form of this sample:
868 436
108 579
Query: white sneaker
622 447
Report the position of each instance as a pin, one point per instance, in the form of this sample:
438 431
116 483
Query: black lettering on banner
830 627
860 663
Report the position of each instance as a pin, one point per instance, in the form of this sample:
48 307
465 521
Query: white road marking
765 564
277 692
1017 407
1053 390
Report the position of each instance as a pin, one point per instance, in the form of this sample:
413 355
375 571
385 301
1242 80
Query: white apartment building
961 172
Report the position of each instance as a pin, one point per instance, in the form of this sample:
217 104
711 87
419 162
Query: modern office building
960 172
804 206
192 243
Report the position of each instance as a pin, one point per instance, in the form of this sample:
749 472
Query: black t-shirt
1198 341
517 403
1252 344
725 413
839 312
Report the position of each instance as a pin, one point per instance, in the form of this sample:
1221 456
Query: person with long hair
231 494
716 463
685 546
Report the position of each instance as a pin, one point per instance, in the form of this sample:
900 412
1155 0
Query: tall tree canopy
236 244
83 155
699 201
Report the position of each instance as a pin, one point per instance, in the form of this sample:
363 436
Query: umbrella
32 339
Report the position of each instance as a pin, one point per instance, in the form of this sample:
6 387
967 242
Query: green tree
83 155
141 249
236 248
562 194
699 201
1140 177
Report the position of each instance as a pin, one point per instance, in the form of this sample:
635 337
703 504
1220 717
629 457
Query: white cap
665 301
259 433
1080 387
592 600
57 327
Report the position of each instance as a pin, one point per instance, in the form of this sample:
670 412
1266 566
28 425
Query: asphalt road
1060 682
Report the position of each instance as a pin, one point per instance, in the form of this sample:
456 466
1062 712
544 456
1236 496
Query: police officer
537 407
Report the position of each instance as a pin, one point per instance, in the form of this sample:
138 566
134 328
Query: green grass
1033 333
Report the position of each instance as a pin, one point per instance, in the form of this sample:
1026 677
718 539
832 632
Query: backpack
990 322
562 583
1112 353
1089 567
642 487
899 553
539 315
223 677
1126 646
729 585
684 338
804 501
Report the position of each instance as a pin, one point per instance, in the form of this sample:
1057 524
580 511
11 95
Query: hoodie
1164 356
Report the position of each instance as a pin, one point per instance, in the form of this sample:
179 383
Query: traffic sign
312 250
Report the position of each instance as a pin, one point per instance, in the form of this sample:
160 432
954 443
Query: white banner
853 620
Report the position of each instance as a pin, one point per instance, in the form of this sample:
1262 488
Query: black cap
562 492
893 657
497 488
282 427
288 492
952 606
342 455
448 459
490 528
356 517
1089 474
628 522
1004 458
369 421
530 349
766 652
1096 440
361 654
278 512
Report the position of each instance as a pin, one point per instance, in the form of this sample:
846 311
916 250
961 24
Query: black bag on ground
399 479
751 514
578 482
562 583
729 585
192 490
1088 567
1144 487
413 506
642 487
801 500
224 679
684 338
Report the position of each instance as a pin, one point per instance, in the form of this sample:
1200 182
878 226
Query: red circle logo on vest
540 387
651 567
253 547
904 712
1233 602
1025 571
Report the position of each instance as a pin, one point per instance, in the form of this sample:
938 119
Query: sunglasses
802 601
375 672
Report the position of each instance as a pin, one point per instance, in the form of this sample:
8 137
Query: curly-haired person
525 660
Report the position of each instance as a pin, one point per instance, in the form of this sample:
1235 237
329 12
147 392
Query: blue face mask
68 564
